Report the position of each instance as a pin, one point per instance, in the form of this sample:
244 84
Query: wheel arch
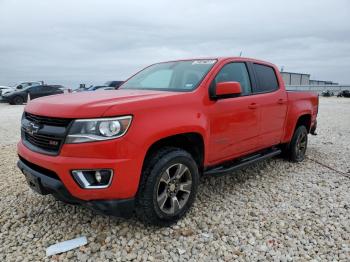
192 142
304 120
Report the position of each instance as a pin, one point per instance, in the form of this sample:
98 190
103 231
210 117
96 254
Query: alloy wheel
174 188
301 145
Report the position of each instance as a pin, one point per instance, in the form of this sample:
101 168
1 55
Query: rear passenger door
272 104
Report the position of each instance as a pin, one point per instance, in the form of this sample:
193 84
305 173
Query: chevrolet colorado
143 147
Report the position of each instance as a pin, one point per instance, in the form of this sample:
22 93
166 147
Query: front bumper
49 184
123 158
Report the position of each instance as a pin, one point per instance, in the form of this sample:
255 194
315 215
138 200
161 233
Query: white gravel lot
10 117
275 211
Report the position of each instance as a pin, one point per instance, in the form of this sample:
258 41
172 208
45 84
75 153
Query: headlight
99 129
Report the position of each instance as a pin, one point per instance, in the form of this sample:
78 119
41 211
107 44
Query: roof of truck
223 58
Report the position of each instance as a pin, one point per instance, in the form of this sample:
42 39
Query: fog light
98 177
94 178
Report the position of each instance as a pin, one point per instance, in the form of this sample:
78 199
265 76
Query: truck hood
90 104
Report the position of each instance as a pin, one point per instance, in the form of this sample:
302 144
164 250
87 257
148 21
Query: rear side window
236 72
267 80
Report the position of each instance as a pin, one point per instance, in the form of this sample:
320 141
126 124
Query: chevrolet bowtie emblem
32 128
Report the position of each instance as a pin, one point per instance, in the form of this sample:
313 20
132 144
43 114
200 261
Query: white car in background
6 89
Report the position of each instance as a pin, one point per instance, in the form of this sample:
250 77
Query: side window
236 72
267 80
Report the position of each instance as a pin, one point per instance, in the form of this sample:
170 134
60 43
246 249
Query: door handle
253 106
280 101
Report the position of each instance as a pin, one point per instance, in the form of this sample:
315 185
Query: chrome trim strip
83 183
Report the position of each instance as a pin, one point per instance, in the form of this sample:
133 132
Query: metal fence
319 88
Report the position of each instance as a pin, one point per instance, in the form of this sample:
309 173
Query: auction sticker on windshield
203 62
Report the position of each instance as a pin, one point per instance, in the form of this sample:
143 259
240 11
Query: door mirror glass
227 89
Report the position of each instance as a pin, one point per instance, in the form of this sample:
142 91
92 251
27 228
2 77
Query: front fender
148 128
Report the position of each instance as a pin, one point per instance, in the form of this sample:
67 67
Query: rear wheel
17 100
296 149
168 187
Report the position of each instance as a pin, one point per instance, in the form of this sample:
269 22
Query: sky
83 41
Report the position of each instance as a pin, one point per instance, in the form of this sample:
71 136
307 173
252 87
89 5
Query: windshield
172 76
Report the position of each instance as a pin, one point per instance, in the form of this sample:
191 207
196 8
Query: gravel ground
272 211
10 117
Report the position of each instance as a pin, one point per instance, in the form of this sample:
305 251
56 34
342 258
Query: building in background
295 78
302 79
318 82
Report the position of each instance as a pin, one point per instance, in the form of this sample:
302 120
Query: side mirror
227 89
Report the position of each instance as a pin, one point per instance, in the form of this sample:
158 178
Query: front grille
50 121
48 143
49 135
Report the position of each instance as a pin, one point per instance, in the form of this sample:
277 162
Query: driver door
234 122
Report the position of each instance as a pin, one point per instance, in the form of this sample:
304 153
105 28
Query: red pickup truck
143 147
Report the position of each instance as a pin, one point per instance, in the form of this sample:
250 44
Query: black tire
150 207
296 149
17 100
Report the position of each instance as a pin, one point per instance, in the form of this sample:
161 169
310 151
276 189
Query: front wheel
168 187
297 147
17 100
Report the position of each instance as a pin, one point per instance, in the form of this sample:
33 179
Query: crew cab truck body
142 148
